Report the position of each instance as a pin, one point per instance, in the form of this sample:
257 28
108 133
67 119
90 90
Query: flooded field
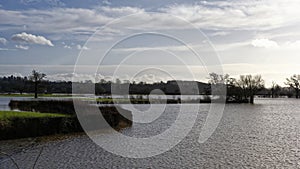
263 135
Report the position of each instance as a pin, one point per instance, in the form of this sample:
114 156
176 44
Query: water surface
264 135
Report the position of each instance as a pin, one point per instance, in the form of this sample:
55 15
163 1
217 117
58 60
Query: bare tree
294 82
250 85
219 84
275 89
215 78
36 77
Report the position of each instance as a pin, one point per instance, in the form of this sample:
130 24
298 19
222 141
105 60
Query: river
263 135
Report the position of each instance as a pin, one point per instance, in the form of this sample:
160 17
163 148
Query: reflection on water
264 135
4 101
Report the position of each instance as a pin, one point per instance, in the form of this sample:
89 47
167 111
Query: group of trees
238 90
246 87
34 83
294 82
242 89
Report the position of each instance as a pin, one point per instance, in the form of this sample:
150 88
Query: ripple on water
264 135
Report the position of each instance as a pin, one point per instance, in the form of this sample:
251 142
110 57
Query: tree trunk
252 99
297 93
35 90
272 93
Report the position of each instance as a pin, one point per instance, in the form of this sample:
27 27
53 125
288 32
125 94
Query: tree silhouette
294 82
250 85
275 89
36 77
219 83
215 78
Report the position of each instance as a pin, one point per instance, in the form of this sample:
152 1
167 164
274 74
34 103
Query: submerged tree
36 77
275 89
250 85
215 78
294 82
218 84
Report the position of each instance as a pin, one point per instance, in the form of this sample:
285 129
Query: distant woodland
13 84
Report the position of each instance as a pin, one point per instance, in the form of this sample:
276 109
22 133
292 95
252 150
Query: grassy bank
6 115
33 124
60 118
32 95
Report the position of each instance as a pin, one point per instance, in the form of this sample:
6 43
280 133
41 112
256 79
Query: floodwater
264 135
4 101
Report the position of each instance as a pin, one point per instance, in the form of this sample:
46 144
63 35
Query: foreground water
264 135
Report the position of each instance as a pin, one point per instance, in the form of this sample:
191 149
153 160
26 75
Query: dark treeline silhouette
242 89
294 82
13 84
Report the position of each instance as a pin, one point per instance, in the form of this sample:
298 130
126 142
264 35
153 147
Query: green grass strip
5 115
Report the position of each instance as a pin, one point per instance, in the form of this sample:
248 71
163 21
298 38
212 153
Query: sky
150 40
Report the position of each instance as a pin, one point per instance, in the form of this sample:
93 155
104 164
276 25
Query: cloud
292 45
67 47
218 15
219 33
29 38
54 3
58 20
182 48
3 41
231 46
239 15
264 43
106 2
79 47
22 47
283 46
77 77
120 11
6 49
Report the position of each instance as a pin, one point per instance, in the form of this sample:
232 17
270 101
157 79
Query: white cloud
3 41
79 47
77 77
121 11
29 38
264 43
22 47
7 49
106 2
219 33
182 48
58 20
292 45
53 3
67 47
231 46
282 46
239 15
220 15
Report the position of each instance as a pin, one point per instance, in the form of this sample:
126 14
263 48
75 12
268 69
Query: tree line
242 89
